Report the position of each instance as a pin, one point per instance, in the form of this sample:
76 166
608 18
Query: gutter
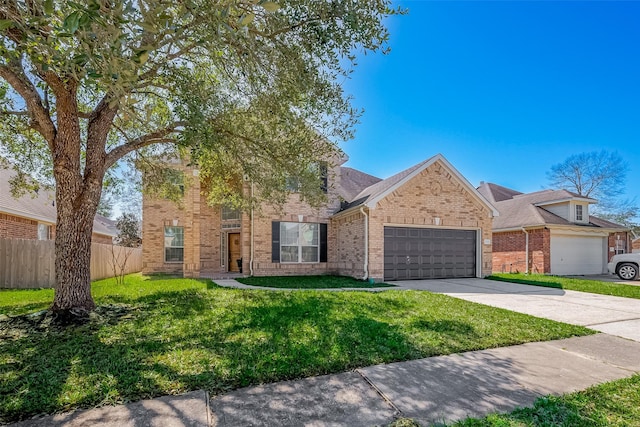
366 244
251 257
526 246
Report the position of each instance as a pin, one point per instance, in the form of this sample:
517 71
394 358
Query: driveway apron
613 315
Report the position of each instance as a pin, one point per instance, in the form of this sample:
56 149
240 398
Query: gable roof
353 181
371 195
41 206
527 209
496 193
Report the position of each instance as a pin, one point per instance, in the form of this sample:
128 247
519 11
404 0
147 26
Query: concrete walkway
433 390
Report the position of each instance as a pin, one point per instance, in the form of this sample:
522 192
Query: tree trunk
73 252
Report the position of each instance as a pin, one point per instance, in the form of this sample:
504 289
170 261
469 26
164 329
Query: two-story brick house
424 222
552 232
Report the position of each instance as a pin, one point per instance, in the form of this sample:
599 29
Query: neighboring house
34 216
556 228
424 222
635 245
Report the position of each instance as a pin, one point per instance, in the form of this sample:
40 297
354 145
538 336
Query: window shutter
324 176
323 242
275 241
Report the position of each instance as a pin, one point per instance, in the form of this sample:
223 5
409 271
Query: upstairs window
230 214
319 169
579 213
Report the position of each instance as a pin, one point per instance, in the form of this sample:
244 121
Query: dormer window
579 213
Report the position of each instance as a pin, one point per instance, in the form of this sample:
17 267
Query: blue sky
503 89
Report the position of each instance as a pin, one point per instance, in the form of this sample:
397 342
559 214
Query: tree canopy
239 87
243 87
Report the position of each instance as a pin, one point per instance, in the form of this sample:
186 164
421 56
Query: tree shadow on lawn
172 342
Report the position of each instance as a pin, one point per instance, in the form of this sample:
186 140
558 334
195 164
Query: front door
234 251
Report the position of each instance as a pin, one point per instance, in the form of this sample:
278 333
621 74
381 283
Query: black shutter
324 176
275 241
323 242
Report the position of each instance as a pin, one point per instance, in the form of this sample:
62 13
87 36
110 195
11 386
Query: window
44 231
229 213
319 169
299 242
174 244
223 249
578 212
621 246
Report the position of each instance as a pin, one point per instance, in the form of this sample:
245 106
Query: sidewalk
432 390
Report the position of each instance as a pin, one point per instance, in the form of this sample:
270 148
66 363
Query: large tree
600 175
244 88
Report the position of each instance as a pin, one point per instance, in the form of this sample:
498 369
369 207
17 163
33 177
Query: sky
503 89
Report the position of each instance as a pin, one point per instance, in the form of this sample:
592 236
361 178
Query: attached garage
429 253
577 255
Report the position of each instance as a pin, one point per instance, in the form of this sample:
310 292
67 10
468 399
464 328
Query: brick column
191 266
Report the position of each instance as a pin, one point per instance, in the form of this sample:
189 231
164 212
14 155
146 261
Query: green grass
22 301
616 403
156 336
310 282
583 285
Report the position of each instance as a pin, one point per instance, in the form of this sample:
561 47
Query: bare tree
597 174
600 175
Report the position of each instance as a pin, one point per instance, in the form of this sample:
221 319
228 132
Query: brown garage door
428 253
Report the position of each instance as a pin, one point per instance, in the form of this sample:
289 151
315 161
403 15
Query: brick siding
622 236
509 251
434 193
13 227
349 251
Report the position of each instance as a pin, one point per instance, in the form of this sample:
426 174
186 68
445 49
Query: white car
625 266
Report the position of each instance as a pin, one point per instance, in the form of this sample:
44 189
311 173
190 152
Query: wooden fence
27 264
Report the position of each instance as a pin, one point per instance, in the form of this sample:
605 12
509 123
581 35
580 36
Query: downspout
526 249
251 249
366 244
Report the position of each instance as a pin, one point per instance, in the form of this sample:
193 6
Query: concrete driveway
612 315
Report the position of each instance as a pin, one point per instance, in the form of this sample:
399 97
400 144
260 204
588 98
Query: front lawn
616 403
156 336
310 282
583 285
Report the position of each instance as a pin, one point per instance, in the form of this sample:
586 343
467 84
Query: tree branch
14 113
156 137
40 118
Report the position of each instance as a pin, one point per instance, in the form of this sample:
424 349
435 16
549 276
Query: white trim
366 243
561 228
371 203
584 233
251 239
566 199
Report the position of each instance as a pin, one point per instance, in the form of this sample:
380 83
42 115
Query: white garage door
577 255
